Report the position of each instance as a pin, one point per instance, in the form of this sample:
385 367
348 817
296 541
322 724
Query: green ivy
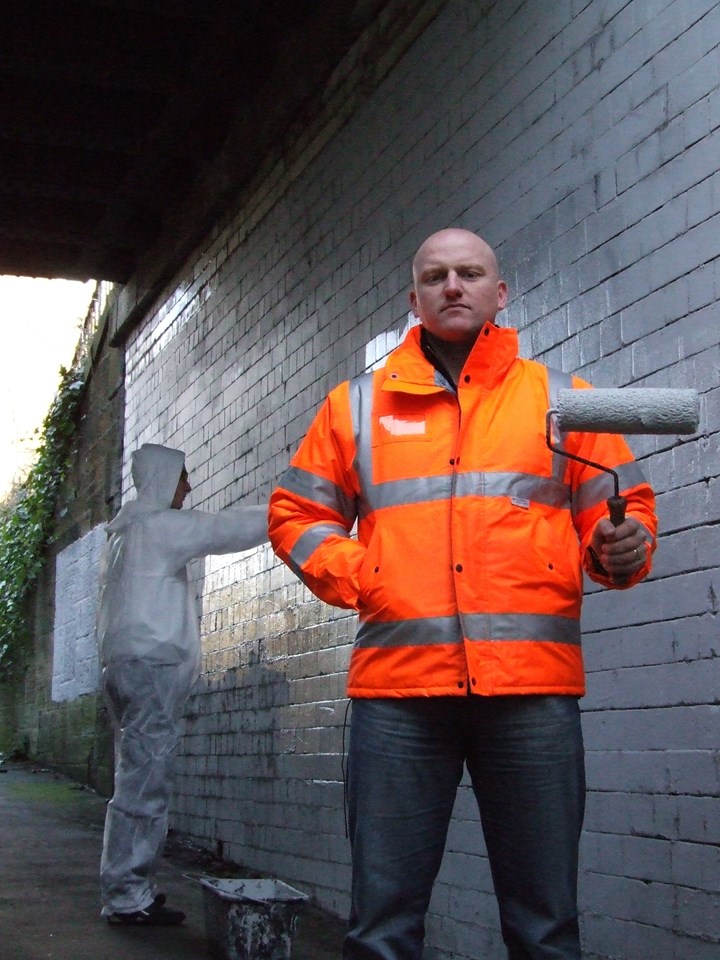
27 521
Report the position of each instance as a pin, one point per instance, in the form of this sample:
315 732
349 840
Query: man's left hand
622 550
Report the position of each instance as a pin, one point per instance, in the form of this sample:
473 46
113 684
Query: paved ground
50 842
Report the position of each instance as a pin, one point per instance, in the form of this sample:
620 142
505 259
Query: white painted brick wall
75 668
581 138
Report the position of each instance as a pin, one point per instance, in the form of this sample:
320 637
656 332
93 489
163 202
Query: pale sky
40 323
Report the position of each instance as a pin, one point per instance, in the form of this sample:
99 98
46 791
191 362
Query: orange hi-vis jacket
471 534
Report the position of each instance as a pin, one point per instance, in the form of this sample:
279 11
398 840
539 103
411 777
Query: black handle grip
616 506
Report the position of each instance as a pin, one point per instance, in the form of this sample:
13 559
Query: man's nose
452 284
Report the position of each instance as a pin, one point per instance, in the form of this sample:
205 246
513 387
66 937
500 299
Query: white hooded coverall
149 644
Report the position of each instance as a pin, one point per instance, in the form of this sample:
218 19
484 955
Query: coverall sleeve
314 507
192 534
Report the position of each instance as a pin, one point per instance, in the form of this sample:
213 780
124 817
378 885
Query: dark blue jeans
405 760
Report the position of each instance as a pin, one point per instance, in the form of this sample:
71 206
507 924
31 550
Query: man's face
182 490
457 285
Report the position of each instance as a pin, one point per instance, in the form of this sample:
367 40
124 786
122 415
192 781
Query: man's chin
457 333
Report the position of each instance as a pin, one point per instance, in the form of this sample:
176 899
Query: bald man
466 574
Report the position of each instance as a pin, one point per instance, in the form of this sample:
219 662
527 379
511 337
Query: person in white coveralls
149 645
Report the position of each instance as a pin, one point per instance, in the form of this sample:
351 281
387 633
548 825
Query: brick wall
76 668
50 706
581 139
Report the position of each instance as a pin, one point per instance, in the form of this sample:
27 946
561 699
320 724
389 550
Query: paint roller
625 410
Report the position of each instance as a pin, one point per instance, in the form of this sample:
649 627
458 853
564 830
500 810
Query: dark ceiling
114 112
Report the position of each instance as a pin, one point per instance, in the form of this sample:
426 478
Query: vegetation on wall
27 520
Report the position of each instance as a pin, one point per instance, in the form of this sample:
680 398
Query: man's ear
413 303
502 295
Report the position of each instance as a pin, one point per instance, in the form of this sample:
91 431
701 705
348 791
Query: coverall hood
155 471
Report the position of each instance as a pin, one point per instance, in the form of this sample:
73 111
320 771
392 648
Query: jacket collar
408 369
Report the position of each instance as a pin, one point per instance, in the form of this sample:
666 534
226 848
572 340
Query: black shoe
156 915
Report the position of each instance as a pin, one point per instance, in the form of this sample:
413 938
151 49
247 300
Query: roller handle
616 506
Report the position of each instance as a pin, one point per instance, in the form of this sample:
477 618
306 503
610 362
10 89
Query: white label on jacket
399 427
520 502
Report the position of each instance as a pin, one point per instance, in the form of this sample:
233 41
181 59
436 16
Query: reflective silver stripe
361 398
475 626
526 486
547 490
599 488
320 490
557 380
396 493
361 401
423 632
521 626
309 541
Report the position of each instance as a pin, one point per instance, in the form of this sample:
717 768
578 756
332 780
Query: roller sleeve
632 410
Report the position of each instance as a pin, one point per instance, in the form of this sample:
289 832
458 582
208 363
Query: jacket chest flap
476 430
